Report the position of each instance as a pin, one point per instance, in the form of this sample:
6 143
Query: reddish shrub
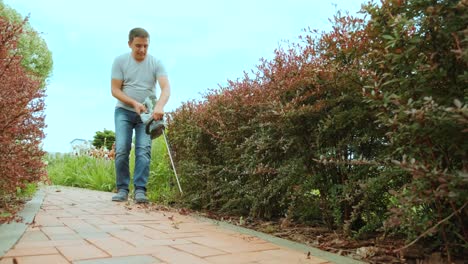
354 127
21 118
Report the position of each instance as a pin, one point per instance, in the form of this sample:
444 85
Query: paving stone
65 237
86 227
116 247
31 251
82 252
57 230
121 260
55 259
172 255
143 230
50 243
231 244
199 250
47 220
283 255
89 235
6 261
34 235
174 235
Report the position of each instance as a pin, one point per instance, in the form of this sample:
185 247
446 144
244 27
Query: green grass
27 192
11 203
81 171
99 174
161 186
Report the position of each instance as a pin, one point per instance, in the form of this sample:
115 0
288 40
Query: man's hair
137 33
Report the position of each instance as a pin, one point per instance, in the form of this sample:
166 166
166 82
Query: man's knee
143 152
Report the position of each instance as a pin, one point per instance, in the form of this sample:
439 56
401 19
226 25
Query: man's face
139 48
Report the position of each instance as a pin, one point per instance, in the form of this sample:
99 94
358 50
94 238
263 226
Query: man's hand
139 108
158 113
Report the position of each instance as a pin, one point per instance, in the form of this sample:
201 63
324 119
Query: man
134 77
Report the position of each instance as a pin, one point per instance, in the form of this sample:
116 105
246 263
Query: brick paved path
84 227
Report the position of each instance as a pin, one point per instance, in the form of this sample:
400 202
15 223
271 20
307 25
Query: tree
105 138
21 108
36 58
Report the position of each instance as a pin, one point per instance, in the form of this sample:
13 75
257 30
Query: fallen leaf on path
366 252
184 211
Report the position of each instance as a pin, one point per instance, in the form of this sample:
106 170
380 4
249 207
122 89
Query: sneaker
121 196
140 197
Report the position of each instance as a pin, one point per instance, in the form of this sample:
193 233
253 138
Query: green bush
419 67
359 126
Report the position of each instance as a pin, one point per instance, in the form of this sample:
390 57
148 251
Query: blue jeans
125 122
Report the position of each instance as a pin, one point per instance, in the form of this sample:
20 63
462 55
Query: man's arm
158 111
116 89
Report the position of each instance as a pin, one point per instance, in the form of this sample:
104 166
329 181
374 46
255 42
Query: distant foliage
84 171
352 128
21 115
96 171
35 55
104 139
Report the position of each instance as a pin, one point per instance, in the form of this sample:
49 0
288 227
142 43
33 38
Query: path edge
10 233
334 258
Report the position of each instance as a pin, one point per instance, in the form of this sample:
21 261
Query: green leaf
388 37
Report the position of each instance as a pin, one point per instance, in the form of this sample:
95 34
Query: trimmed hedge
362 128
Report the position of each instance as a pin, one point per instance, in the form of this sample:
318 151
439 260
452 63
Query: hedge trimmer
155 128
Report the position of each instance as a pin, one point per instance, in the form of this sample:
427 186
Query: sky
202 44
